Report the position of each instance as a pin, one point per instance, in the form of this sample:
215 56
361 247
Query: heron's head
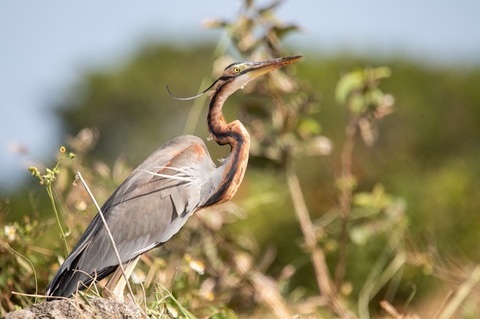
237 75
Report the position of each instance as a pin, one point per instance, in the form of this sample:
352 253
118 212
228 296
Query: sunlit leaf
349 83
358 104
308 126
382 72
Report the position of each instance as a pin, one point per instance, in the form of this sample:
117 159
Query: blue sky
44 45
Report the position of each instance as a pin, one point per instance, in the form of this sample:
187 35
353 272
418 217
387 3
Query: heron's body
156 200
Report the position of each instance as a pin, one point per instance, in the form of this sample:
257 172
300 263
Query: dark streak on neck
223 134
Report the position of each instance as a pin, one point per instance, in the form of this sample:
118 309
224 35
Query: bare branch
316 254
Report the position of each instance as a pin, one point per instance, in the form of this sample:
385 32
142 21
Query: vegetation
344 211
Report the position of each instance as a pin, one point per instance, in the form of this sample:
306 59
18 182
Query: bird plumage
148 223
158 197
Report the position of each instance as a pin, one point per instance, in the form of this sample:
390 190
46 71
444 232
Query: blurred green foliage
427 152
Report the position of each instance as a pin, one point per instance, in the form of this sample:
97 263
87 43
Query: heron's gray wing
150 206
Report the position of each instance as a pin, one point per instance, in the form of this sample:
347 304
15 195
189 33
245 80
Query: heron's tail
69 280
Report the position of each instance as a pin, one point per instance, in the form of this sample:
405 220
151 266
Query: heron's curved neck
223 133
233 134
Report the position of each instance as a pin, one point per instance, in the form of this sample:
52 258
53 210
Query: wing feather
146 210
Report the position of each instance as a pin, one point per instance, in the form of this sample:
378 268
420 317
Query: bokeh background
105 65
46 47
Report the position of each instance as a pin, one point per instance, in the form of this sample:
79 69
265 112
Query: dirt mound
75 308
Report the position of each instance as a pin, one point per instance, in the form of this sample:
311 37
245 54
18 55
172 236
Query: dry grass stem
394 313
120 264
461 294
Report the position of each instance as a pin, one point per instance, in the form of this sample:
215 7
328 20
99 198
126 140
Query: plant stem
109 233
316 254
345 200
461 294
198 105
52 201
267 290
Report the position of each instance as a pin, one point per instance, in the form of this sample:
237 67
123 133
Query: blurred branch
366 103
316 254
199 103
345 199
267 291
461 294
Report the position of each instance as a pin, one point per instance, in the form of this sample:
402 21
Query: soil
75 308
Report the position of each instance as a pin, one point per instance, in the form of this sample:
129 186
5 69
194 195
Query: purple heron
158 197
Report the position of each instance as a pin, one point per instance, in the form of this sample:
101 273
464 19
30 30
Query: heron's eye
236 69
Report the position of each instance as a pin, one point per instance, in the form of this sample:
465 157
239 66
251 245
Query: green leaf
348 84
382 72
358 104
308 127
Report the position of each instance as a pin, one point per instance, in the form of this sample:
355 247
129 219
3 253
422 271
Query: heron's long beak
264 67
254 70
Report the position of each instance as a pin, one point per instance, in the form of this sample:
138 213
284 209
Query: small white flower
197 266
10 232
